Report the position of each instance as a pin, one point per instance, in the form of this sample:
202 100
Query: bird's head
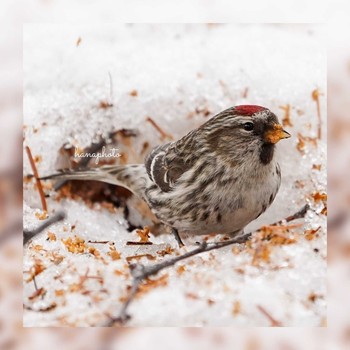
245 129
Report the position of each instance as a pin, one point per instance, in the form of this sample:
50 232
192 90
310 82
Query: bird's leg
177 237
240 236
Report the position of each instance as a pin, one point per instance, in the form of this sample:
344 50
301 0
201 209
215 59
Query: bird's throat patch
266 153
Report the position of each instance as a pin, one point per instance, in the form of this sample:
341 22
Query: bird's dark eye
248 126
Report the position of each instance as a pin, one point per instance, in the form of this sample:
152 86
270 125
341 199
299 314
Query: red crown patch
248 109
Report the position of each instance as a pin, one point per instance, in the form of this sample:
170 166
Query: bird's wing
130 176
165 165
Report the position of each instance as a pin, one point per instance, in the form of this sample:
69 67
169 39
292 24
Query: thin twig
274 322
99 242
316 97
44 309
37 179
29 234
140 272
35 285
162 133
138 243
298 215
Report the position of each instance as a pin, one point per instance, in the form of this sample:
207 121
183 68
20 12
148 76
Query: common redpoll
216 179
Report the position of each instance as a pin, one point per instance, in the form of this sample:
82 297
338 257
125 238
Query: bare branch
298 215
140 272
27 235
162 133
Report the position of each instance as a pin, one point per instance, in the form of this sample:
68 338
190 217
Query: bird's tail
132 176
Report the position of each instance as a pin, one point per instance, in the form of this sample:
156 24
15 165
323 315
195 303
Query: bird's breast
220 204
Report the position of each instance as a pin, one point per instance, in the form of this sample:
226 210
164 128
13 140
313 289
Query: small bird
216 179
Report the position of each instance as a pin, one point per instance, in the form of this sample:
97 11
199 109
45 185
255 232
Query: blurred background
13 14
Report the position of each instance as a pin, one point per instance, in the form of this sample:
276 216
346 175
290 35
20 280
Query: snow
175 70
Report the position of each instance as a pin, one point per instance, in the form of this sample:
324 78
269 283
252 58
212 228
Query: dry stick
29 234
140 272
38 182
35 285
298 215
162 133
138 243
274 322
316 97
99 242
44 309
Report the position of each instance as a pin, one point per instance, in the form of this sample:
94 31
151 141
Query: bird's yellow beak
276 134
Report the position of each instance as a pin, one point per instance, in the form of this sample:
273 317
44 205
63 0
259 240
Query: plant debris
303 140
113 253
76 245
51 236
35 270
286 120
